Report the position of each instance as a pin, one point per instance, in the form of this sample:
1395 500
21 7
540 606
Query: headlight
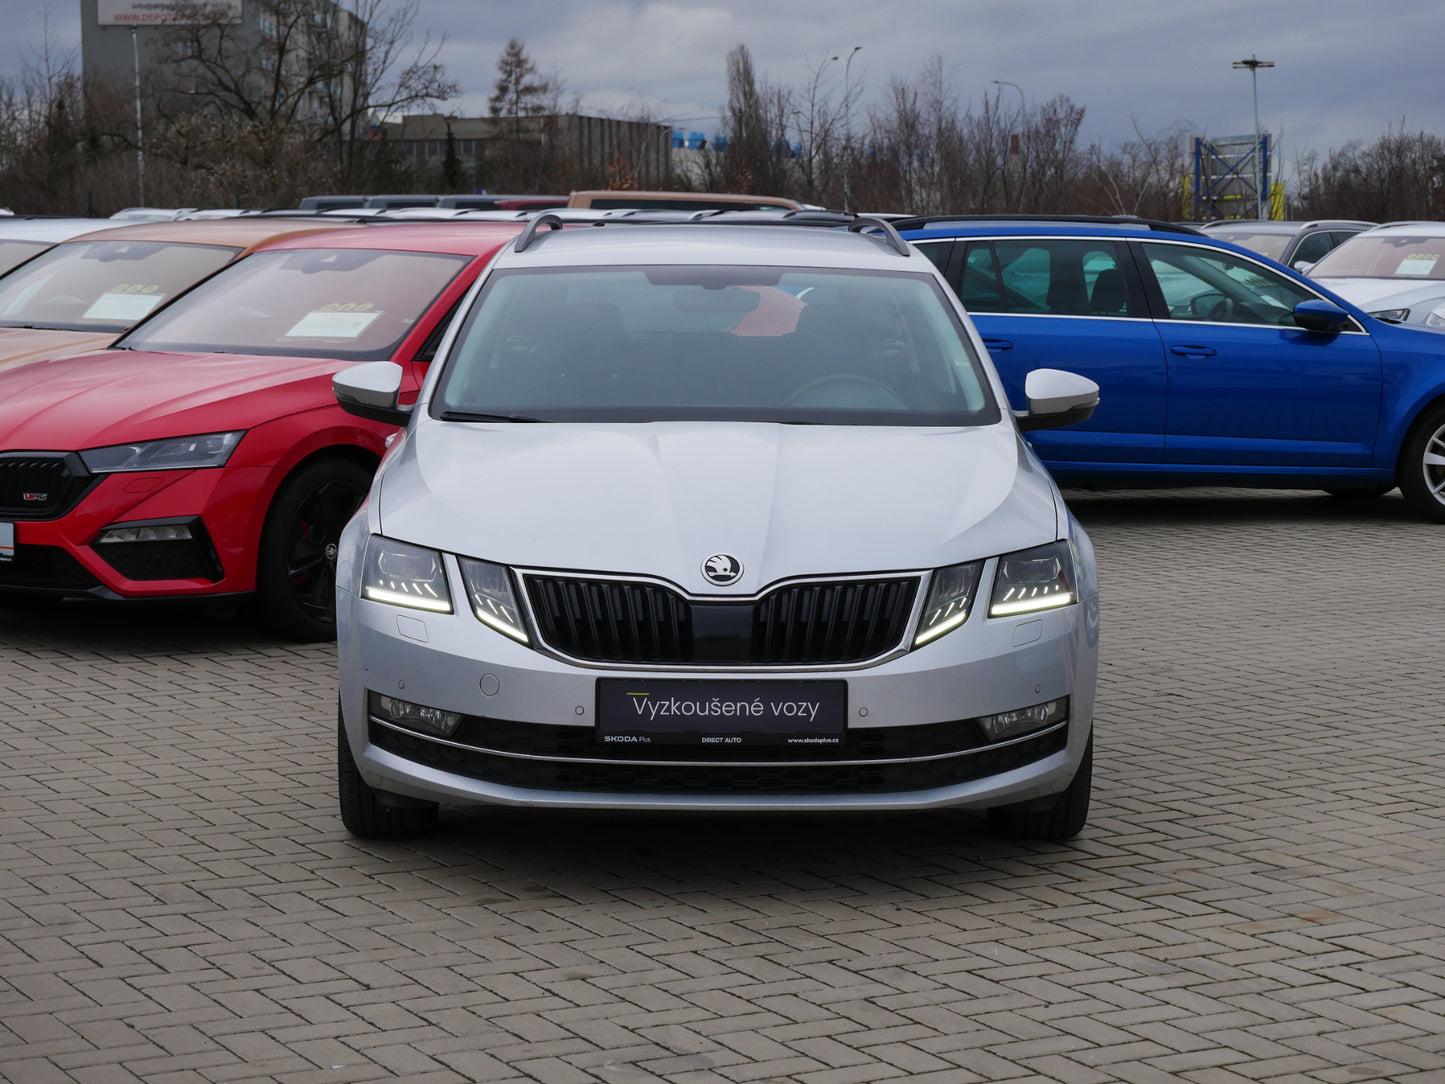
1394 316
950 596
405 575
1436 317
1037 579
175 453
489 589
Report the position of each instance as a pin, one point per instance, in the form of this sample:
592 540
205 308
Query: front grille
801 624
719 770
41 485
48 568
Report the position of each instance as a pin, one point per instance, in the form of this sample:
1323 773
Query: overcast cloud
1345 70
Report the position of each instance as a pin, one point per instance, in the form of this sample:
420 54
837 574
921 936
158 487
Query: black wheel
1421 471
296 568
364 812
1063 818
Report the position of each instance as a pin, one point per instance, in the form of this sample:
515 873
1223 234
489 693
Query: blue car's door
1075 304
1247 386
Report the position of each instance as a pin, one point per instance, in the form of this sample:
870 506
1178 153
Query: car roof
1427 227
242 233
25 228
1258 225
463 238
710 241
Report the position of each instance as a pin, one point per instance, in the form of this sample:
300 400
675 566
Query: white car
23 236
1395 272
714 518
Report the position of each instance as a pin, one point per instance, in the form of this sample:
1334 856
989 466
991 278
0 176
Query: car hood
118 396
1373 295
660 498
19 345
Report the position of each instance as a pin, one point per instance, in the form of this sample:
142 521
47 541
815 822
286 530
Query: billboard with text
167 12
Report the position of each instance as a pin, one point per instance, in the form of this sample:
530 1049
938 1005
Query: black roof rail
920 222
529 234
714 217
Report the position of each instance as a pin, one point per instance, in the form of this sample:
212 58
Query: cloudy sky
1345 70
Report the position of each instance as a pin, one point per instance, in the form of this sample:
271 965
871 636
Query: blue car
1216 366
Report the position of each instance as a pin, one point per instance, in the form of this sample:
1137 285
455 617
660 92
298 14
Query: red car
204 454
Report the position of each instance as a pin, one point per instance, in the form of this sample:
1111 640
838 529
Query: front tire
296 567
363 811
1421 472
1061 819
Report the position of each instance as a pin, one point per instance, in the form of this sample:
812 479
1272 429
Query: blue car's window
1204 284
1062 277
979 289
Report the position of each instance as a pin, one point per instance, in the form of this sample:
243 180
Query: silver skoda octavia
714 517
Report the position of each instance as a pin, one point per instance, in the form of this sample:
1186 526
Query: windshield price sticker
1418 264
690 712
338 320
124 302
7 542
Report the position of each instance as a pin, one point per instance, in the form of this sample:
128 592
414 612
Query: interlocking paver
1256 898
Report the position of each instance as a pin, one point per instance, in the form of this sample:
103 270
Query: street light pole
847 131
140 154
1254 64
1023 109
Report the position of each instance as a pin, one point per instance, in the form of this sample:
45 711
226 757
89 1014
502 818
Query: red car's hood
19 345
119 396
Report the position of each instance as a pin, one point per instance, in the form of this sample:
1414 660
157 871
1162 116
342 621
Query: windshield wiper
468 416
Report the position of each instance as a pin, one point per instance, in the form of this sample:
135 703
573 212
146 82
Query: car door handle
1193 351
999 344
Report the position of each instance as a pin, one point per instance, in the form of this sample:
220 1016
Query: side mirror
1321 315
1057 398
371 390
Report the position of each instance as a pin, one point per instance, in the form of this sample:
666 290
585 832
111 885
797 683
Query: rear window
103 285
711 342
354 304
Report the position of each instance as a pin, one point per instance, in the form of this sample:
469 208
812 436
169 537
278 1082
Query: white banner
167 12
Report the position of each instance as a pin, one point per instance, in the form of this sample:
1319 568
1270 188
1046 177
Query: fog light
1010 724
160 532
414 716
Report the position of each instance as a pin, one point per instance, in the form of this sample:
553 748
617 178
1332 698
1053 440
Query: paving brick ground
1260 895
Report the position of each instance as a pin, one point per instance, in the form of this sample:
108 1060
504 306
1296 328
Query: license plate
722 712
7 541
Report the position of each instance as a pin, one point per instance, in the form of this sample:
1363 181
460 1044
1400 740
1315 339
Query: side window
1311 248
1063 277
936 251
979 288
427 351
1203 284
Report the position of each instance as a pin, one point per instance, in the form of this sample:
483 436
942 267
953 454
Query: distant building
117 37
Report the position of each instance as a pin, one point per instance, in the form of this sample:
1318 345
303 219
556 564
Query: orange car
82 294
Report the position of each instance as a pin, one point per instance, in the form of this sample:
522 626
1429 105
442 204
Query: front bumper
63 554
528 736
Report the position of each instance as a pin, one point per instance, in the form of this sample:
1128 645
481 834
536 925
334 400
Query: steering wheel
847 391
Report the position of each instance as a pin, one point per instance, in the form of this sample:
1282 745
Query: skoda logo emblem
722 569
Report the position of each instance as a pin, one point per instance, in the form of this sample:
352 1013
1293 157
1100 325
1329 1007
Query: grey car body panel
656 499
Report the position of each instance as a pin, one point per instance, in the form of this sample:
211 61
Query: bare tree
292 94
756 129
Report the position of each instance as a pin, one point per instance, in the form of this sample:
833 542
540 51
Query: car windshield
714 342
103 285
353 304
1385 256
13 253
1266 244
